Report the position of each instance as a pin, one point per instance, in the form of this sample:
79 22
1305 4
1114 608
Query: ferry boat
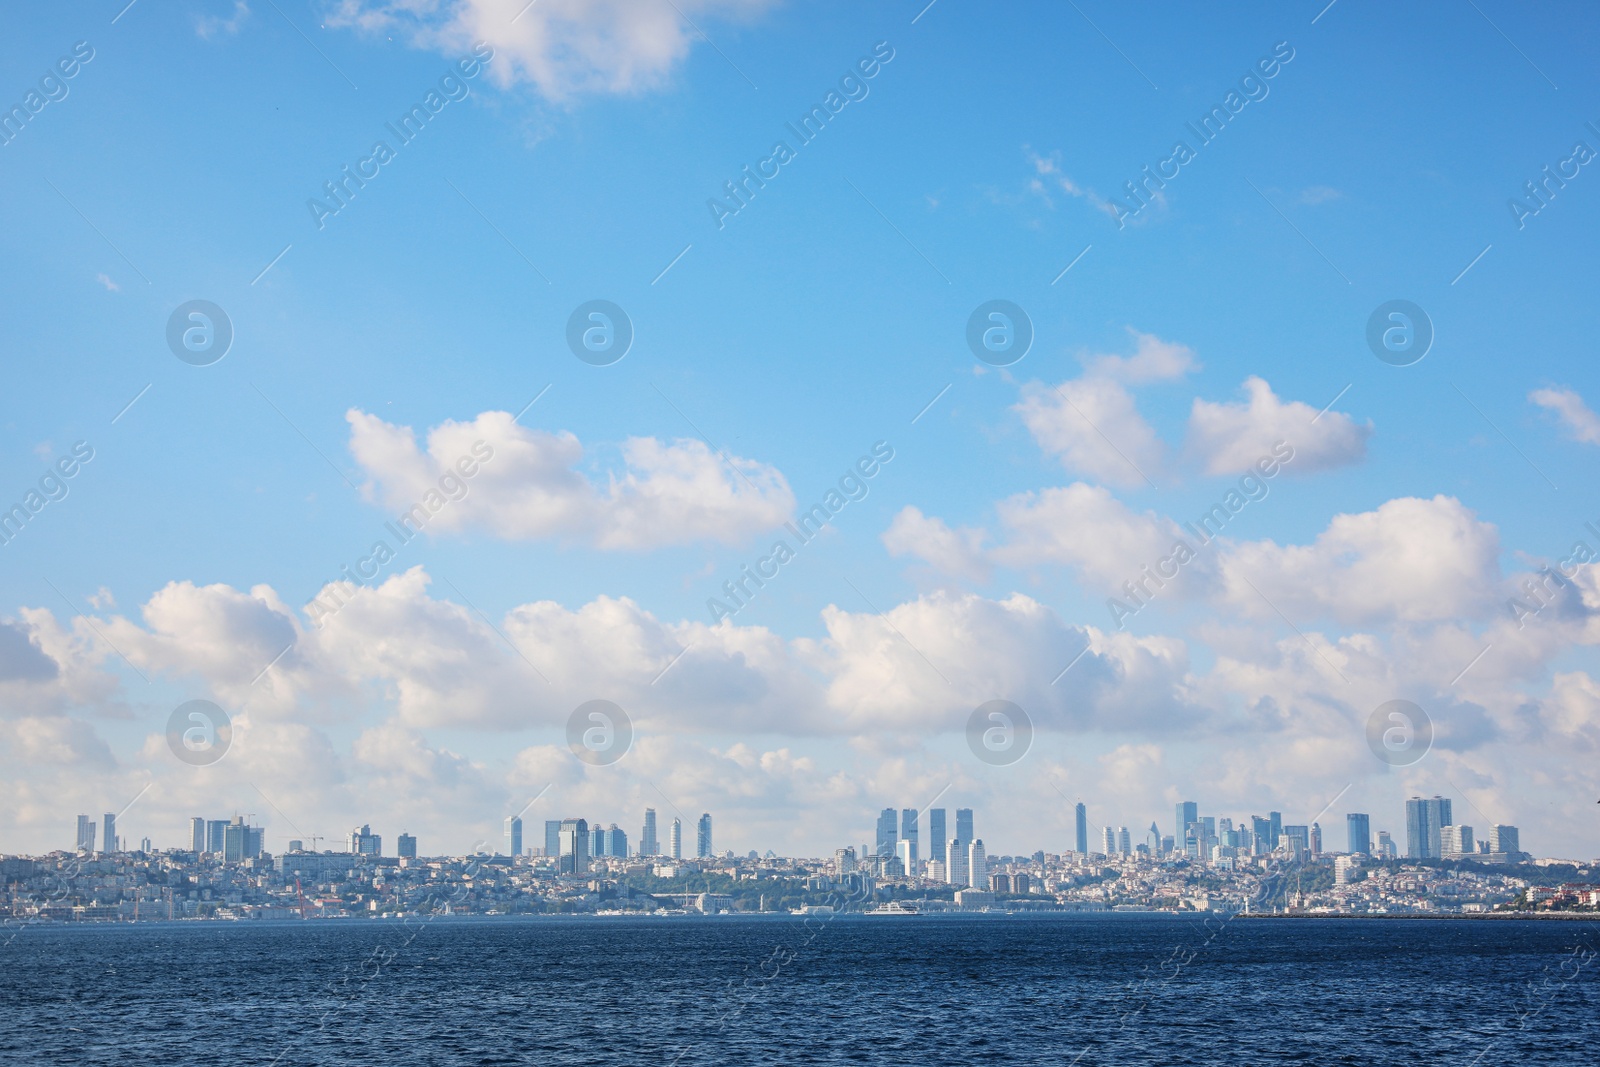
894 908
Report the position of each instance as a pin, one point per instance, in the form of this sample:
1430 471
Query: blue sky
818 320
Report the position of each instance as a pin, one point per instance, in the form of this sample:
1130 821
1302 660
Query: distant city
920 861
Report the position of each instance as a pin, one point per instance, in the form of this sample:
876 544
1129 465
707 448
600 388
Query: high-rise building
1275 818
1455 841
702 838
977 866
647 839
1155 839
197 834
908 834
574 846
362 841
907 851
1124 841
85 834
1260 835
1358 834
406 847
513 834
1424 820
616 842
1505 839
1080 840
1299 839
552 838
235 841
955 862
1188 813
845 860
597 839
108 835
1316 839
964 826
675 841
215 828
1108 841
1342 866
1000 883
887 834
1386 849
934 845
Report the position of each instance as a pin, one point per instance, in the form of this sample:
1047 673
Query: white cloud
1580 423
528 487
1086 528
1153 360
956 552
1093 426
1410 560
562 47
1230 438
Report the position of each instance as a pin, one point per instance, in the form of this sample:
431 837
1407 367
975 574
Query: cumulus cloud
956 552
1579 422
525 485
1094 427
1410 560
1230 438
561 47
1084 527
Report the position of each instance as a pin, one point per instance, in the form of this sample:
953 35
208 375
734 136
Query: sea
681 991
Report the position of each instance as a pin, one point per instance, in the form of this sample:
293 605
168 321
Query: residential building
1424 820
406 847
977 866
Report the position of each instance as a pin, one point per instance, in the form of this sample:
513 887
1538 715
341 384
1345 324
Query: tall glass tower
702 842
936 834
964 826
1359 833
1081 839
887 835
647 840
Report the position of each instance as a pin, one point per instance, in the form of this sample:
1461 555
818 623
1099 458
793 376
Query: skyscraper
1124 841
845 860
906 853
85 834
1316 839
1188 814
647 839
675 841
513 835
1081 840
362 841
616 842
955 862
197 834
1505 839
908 835
934 845
234 841
574 846
108 836
1108 841
1424 820
1358 834
964 825
406 847
552 837
702 839
887 835
1455 841
1275 818
215 828
1260 835
977 866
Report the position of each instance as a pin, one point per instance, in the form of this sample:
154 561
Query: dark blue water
688 991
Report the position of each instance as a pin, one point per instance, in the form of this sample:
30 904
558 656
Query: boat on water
894 908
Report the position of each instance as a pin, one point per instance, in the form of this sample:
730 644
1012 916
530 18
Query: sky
1202 221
